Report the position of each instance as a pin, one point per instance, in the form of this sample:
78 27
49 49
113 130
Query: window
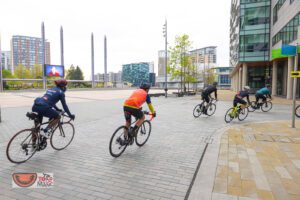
289 32
276 9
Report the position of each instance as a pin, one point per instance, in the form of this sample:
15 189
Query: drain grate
207 139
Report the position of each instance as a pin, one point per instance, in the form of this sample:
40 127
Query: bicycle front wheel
211 109
243 113
297 111
22 146
62 136
265 107
228 116
117 143
143 133
252 106
197 110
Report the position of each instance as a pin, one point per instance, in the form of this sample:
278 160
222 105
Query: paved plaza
164 168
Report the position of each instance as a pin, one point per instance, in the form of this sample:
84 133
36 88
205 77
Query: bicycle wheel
228 117
21 146
265 107
115 146
143 133
297 111
62 136
252 106
197 110
243 113
211 109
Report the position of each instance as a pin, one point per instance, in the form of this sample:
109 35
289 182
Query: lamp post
166 56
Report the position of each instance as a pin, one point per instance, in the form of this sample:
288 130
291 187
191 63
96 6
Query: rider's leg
54 118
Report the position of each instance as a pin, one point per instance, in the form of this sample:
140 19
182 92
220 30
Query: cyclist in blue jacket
46 106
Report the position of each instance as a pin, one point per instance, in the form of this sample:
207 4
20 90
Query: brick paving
162 169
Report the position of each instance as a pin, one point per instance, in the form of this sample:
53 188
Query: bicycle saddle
32 115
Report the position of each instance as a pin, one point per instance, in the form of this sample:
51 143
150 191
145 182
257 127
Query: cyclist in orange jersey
133 107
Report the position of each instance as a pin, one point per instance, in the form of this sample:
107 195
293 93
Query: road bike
236 112
121 138
297 111
264 106
25 143
200 108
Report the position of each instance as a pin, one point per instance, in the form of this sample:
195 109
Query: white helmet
246 87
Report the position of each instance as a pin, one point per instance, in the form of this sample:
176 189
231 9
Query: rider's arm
148 100
248 100
216 95
56 108
64 104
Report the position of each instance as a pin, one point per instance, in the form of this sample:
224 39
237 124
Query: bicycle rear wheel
197 110
22 146
62 136
297 111
143 133
116 148
211 109
228 116
243 113
265 107
252 106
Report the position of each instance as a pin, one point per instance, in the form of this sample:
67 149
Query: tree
180 65
7 74
209 76
74 73
23 72
37 71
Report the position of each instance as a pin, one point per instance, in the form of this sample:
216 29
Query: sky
134 28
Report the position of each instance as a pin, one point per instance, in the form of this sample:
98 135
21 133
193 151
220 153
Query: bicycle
141 136
264 106
199 109
236 112
25 143
297 111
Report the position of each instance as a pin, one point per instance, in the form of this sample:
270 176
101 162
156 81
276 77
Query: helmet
61 83
145 86
215 83
246 87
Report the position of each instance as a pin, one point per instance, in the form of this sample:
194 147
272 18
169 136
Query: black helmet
215 83
61 83
145 86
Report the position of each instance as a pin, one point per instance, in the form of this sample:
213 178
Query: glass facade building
135 73
258 30
28 51
6 60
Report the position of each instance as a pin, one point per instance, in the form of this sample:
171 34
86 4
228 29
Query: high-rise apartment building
258 29
6 60
28 51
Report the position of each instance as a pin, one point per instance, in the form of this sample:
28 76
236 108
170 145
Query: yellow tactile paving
267 167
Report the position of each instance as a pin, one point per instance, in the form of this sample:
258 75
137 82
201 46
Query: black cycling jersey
210 89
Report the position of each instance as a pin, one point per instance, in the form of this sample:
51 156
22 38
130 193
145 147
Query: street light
166 56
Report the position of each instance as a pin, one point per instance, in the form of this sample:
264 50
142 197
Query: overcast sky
133 28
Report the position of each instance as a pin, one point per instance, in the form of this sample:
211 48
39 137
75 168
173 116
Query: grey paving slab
161 169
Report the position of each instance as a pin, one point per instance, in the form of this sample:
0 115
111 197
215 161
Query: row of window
255 16
289 32
276 9
252 1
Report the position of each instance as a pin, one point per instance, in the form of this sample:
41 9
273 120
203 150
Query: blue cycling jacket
263 91
51 97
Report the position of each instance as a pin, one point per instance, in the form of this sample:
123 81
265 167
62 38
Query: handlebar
148 113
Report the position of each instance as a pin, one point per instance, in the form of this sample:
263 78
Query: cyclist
132 106
263 93
206 94
238 98
44 105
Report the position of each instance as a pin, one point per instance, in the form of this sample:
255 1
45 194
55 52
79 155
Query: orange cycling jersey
137 98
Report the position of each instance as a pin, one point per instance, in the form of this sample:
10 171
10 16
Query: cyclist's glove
154 114
72 117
